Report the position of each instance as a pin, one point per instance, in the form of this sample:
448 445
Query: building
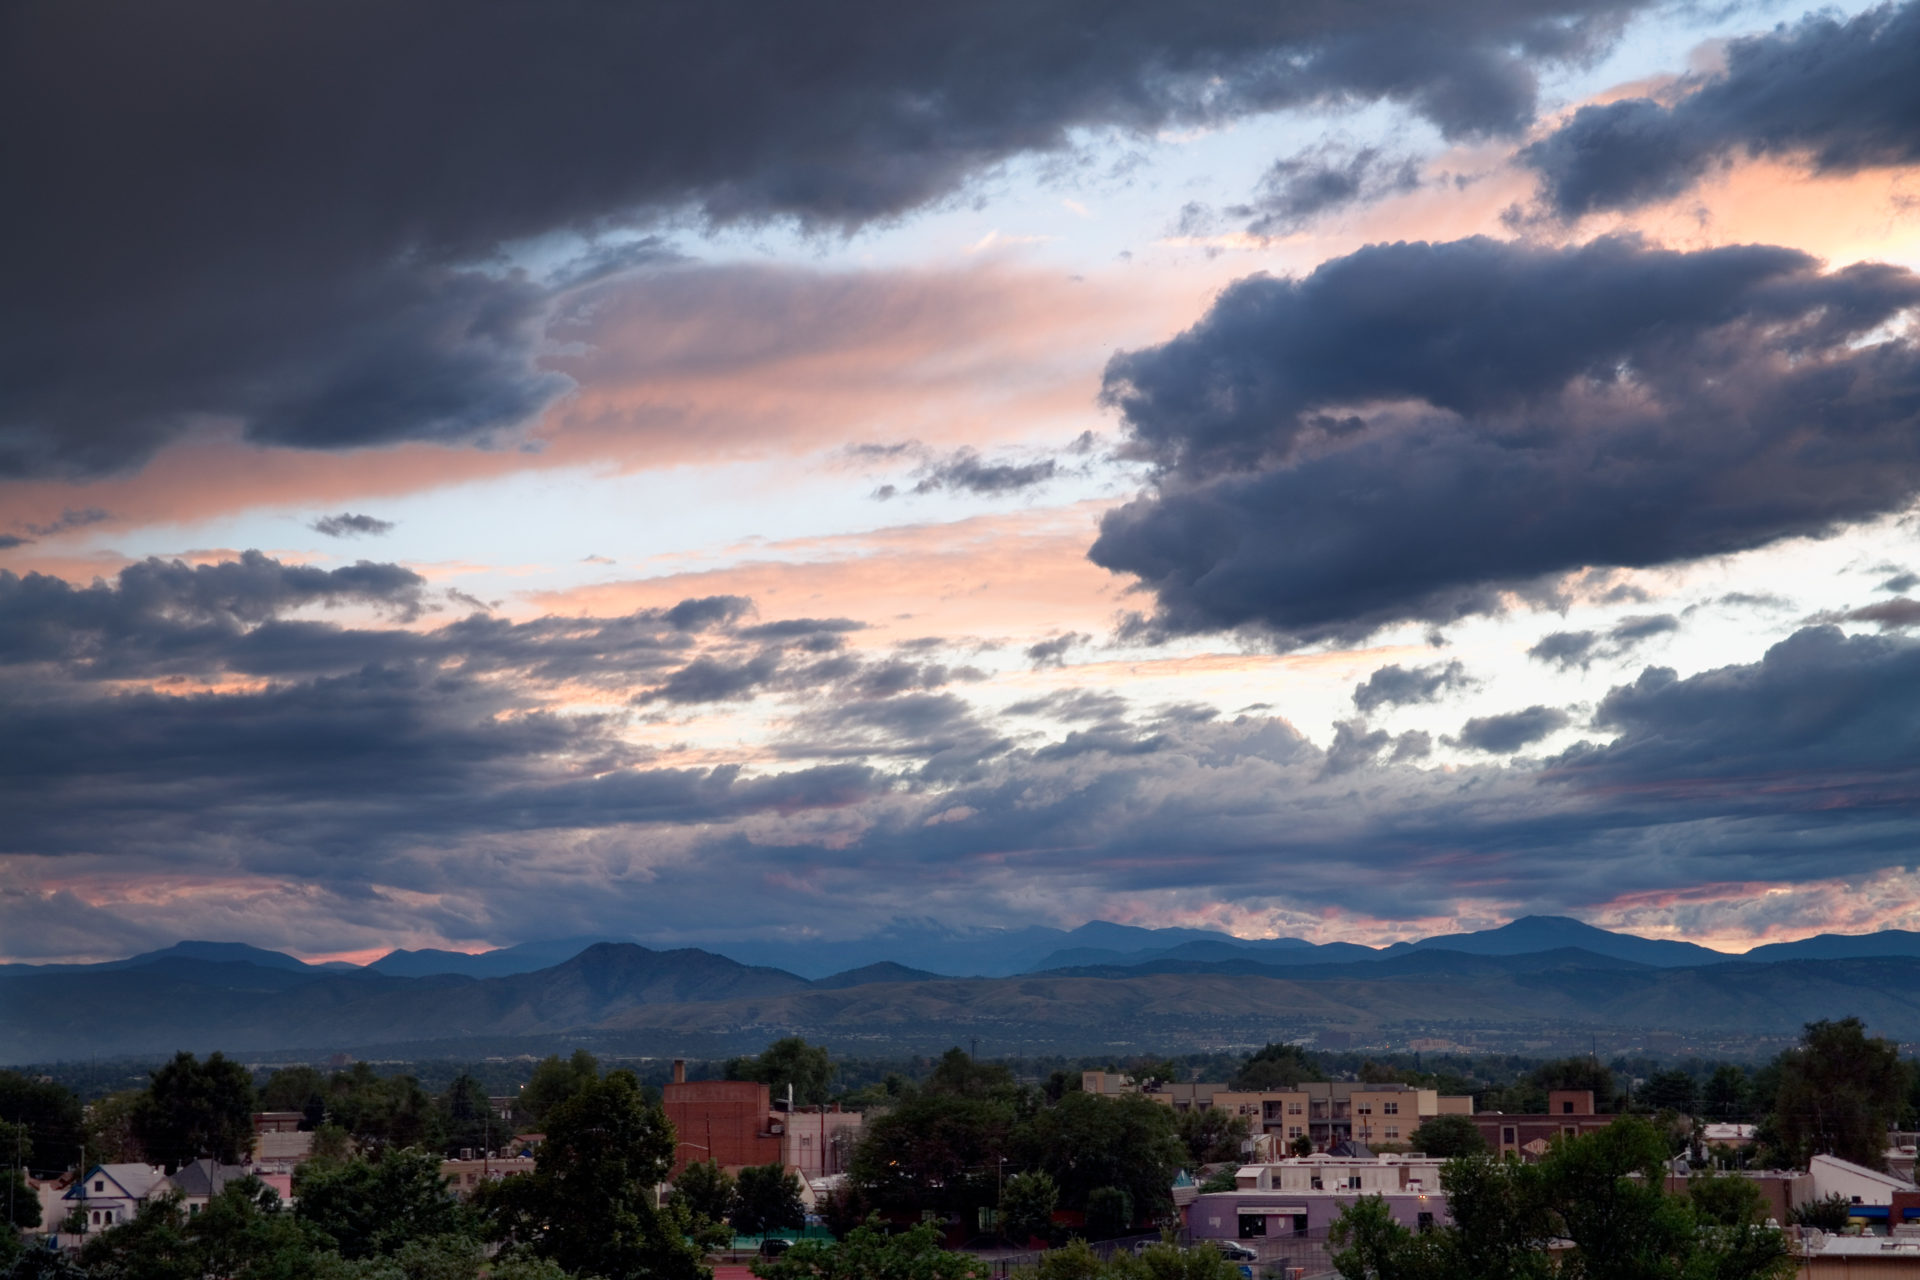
726 1121
816 1142
1326 1113
1569 1114
199 1182
1384 1174
110 1194
1254 1215
464 1175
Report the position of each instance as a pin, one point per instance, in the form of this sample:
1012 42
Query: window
1293 1131
1253 1226
1315 1183
100 1184
1425 1220
1390 1108
1299 1224
1570 1131
1393 1131
1566 1107
193 1210
1366 1108
1509 1136
1293 1108
1353 1182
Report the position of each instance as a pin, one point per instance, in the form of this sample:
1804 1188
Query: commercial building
1327 1113
735 1123
1570 1113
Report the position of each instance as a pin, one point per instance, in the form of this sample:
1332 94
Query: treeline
1595 1207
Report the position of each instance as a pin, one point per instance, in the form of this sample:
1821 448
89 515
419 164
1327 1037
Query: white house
112 1193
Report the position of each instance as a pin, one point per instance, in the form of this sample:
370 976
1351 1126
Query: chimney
679 1070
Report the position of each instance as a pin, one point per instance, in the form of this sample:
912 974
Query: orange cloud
1022 573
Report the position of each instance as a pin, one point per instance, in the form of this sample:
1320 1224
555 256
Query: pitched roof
134 1181
206 1177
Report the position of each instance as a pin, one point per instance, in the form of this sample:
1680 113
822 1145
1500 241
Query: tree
466 1116
109 1129
301 1089
1839 1093
1603 1193
936 1151
1668 1091
868 1253
1277 1066
588 1204
1155 1071
1577 1073
767 1198
194 1109
960 1076
1212 1135
791 1061
370 1207
19 1203
706 1190
554 1081
1301 1146
390 1111
1370 1245
1725 1095
153 1246
1448 1136
1088 1142
1027 1202
52 1116
1109 1212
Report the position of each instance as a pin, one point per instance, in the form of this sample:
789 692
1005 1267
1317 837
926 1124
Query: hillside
692 1001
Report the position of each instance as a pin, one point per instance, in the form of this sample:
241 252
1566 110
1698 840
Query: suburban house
199 1182
110 1194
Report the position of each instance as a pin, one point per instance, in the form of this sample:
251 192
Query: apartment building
1326 1113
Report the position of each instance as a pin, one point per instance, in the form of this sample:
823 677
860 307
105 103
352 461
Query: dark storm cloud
290 217
1398 686
1528 411
1569 649
1823 719
349 766
164 614
1843 95
1513 730
1300 188
349 525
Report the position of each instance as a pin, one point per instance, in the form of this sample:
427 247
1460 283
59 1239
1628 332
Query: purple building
1254 1216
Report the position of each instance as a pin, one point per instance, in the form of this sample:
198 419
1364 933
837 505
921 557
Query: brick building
1569 1114
728 1121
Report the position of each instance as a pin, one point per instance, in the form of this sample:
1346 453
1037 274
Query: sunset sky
477 473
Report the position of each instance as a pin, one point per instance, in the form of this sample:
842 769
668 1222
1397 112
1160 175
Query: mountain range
1500 988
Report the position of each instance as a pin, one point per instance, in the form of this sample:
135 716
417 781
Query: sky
472 474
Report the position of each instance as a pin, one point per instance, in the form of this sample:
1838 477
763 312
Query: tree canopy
194 1109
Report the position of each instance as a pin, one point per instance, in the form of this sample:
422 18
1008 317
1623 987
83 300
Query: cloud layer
304 229
1415 431
1840 96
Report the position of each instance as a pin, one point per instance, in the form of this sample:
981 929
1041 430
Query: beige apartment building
1325 1113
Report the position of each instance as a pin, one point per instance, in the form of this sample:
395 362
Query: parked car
1234 1251
774 1246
